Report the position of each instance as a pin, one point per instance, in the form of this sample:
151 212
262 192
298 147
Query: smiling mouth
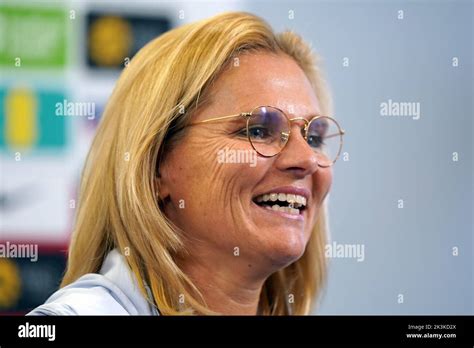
286 203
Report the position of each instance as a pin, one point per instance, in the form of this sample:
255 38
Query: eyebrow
307 116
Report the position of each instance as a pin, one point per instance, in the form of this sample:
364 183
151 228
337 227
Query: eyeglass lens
269 129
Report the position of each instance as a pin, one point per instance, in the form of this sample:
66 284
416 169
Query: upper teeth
297 200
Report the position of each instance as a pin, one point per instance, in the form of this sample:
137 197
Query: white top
113 291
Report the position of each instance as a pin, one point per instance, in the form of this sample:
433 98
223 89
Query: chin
284 247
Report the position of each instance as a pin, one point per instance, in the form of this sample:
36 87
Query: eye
256 132
315 141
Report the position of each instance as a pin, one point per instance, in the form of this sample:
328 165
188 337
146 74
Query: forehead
255 79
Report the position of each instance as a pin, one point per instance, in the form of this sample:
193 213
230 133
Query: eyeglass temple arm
242 114
335 134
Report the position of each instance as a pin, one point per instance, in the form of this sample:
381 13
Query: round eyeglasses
268 130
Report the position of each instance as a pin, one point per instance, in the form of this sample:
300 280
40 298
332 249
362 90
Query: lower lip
299 217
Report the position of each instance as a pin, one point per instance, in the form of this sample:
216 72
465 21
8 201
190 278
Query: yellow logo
21 118
110 39
10 283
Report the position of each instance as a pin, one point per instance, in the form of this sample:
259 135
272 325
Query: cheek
322 181
212 191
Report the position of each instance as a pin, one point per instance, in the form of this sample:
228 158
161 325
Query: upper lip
288 190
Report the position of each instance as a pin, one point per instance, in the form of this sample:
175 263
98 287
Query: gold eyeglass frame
248 115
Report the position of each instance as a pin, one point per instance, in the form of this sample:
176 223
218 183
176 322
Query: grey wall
407 250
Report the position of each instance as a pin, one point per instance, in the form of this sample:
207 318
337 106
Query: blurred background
401 206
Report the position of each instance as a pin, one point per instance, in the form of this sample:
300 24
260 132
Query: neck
228 286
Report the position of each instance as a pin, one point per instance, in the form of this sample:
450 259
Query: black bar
137 330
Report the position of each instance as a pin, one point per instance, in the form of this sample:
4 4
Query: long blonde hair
118 207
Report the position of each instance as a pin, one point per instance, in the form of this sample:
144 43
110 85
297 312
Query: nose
297 157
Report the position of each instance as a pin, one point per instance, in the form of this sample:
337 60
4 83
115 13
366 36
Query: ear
162 188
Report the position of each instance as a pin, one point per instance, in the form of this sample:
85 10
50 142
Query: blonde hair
117 203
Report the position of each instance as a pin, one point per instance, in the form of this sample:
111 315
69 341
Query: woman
172 219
